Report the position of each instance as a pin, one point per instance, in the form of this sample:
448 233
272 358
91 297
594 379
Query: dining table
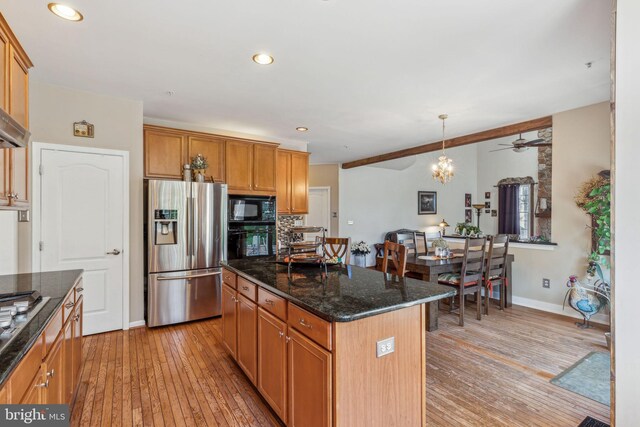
428 267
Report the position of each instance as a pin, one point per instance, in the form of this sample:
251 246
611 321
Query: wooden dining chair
469 280
408 241
397 253
338 247
495 271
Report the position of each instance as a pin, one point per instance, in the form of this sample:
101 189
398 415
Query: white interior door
319 209
82 199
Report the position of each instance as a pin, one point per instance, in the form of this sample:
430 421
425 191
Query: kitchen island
346 348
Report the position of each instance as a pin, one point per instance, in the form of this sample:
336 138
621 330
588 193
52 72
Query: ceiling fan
521 144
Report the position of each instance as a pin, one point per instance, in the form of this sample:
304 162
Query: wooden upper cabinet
299 183
164 153
293 182
18 88
264 167
4 70
239 165
19 177
283 181
212 149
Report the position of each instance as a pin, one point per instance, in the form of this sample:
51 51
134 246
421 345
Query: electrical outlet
386 346
350 222
546 283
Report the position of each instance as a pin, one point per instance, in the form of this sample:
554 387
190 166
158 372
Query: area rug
592 422
588 377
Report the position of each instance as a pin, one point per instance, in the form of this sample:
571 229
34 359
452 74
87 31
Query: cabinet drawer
24 373
68 306
247 288
229 278
79 289
52 330
310 325
272 303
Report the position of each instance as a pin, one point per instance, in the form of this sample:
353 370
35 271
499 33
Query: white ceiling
370 75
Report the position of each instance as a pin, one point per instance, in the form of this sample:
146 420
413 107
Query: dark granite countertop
54 284
345 294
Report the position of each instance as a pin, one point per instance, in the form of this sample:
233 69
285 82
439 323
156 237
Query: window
524 211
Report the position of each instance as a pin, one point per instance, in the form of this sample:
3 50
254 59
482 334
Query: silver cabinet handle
80 289
305 324
70 305
246 288
193 276
268 301
287 339
44 384
51 373
76 317
12 196
280 334
114 252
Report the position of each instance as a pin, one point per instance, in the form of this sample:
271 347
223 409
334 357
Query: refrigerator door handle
193 276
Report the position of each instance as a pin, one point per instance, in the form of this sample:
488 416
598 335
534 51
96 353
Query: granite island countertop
55 285
347 293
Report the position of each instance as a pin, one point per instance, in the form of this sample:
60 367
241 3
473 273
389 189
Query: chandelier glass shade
443 170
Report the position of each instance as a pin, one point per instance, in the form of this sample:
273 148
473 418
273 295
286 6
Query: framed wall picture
467 200
494 212
427 202
487 205
467 216
487 194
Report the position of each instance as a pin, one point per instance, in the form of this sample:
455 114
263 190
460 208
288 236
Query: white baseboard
137 324
557 309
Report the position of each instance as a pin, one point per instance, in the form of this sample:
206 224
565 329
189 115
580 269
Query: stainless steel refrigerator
185 236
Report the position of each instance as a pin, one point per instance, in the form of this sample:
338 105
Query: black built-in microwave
252 209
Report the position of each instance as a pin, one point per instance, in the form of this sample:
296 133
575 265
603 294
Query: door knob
114 252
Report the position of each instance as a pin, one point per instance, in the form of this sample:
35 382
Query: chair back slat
473 260
497 256
339 247
397 253
408 241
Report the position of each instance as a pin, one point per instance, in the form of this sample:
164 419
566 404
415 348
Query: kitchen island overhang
366 357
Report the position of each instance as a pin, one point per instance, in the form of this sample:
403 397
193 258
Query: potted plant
466 229
199 166
360 250
440 246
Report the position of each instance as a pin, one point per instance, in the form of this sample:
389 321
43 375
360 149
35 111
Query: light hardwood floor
490 373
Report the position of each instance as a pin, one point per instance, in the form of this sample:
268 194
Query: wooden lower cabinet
34 394
229 320
272 362
54 365
309 377
4 399
69 372
76 355
248 337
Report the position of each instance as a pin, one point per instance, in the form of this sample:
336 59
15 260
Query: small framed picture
427 202
487 194
494 212
83 129
467 216
487 210
467 200
487 205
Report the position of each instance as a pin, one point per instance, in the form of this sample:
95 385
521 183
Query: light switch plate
24 216
386 346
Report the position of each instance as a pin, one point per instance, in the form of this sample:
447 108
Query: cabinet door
309 382
76 356
229 320
35 392
272 362
165 154
54 372
67 350
18 88
248 337
213 150
239 165
3 396
19 176
264 167
299 183
4 70
283 182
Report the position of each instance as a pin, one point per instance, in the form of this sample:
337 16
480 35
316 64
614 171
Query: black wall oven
251 227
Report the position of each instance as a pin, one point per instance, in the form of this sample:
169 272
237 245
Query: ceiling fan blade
500 149
507 145
536 142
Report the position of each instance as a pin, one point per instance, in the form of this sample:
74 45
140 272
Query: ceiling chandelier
443 171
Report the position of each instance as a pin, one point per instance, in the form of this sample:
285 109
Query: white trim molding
557 309
137 324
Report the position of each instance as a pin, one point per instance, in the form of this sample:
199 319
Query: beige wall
580 150
328 176
118 126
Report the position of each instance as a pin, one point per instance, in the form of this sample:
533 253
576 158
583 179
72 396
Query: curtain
508 214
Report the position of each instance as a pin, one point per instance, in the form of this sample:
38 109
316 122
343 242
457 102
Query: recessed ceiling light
65 12
262 59
302 129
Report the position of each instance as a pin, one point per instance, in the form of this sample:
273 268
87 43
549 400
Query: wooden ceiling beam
459 141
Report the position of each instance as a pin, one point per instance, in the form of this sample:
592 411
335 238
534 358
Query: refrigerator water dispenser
165 227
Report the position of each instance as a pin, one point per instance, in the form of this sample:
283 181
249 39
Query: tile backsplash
285 222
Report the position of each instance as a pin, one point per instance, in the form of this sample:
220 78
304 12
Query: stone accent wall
284 223
543 222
